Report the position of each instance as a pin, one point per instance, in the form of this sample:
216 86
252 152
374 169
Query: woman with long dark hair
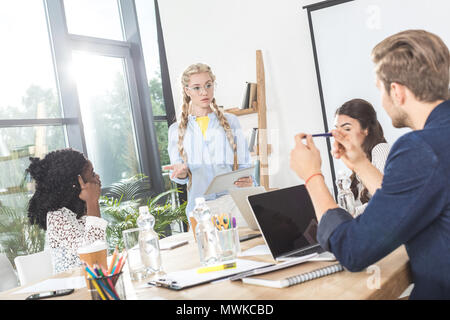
359 119
65 204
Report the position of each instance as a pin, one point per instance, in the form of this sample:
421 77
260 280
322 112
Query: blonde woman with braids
205 142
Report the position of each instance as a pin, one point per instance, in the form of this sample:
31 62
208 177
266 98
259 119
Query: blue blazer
411 208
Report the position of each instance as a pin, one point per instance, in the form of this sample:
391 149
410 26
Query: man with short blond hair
411 202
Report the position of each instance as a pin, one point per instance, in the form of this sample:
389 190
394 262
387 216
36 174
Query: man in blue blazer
411 203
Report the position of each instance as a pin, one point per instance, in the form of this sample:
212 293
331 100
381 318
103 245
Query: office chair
33 267
8 277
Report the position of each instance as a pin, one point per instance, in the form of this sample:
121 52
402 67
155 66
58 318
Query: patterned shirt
379 155
65 234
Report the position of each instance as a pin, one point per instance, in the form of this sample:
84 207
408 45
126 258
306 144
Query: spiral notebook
293 280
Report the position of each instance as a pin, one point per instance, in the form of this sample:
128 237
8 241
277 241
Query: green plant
120 207
17 236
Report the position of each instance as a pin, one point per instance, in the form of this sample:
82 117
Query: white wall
225 34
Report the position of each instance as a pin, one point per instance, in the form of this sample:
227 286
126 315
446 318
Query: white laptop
239 196
288 223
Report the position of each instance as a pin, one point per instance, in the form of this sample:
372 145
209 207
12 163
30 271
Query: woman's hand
90 193
347 150
244 182
180 170
305 159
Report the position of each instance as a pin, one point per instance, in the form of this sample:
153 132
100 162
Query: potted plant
120 207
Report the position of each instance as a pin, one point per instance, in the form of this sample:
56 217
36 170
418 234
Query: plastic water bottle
148 241
345 197
205 233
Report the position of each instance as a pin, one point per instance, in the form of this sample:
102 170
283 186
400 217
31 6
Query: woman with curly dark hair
65 204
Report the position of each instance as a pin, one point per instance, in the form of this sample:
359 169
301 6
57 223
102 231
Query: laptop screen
286 218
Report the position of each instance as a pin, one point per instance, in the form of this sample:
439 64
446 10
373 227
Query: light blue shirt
207 156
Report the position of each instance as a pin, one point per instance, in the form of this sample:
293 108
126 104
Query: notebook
288 223
240 198
293 280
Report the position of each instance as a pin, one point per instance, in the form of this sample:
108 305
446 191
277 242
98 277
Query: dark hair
364 112
57 186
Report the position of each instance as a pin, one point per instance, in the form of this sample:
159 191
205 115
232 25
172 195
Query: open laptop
288 223
239 196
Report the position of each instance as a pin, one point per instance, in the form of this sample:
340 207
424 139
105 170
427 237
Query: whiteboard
344 36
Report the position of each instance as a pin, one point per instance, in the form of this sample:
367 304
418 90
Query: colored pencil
121 262
113 259
100 292
89 270
107 289
111 285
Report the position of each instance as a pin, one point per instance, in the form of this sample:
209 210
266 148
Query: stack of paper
55 284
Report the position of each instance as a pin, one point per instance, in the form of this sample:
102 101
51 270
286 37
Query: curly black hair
57 186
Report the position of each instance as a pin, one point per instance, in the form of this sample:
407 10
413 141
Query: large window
99 18
27 78
107 116
31 121
75 74
161 97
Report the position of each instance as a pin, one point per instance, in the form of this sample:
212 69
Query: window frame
63 44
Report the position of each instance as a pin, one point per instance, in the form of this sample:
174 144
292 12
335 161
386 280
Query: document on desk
278 266
55 284
188 278
259 250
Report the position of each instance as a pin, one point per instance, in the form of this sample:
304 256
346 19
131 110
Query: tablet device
224 182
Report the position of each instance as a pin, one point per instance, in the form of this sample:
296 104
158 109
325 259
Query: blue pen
327 135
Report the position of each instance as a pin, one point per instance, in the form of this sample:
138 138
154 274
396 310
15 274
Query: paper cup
94 253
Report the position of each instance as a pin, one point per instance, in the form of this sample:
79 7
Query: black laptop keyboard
306 252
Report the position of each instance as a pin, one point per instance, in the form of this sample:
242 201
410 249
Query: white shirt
65 234
379 156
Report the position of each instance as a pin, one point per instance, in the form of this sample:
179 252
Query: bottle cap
143 209
341 174
199 200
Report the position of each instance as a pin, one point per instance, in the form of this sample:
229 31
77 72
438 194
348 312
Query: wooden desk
393 270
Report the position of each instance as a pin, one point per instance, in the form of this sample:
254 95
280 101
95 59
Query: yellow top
203 124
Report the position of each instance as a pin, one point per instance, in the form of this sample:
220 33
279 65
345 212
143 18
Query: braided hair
57 186
185 111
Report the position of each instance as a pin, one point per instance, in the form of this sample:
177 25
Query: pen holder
228 245
107 288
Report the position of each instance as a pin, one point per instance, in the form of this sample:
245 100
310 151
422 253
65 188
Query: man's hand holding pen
305 159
